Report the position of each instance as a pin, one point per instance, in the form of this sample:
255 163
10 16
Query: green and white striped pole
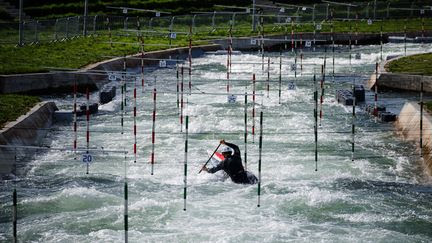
259 159
126 226
185 164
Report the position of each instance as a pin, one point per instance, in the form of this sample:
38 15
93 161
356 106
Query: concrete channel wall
398 81
27 130
409 125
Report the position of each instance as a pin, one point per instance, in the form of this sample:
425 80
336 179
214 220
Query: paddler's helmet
226 150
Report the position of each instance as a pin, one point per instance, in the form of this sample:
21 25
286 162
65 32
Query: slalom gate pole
245 131
350 42
190 59
253 107
333 45
375 112
316 121
322 94
185 164
259 159
353 122
14 216
88 125
153 127
75 120
301 54
178 88
125 213
134 121
228 65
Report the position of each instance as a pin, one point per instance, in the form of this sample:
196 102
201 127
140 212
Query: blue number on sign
87 158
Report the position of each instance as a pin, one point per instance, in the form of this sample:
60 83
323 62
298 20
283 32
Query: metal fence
36 31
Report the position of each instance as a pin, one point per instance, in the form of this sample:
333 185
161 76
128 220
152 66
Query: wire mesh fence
61 29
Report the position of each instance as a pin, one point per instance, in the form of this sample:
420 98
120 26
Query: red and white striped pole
153 127
190 60
75 119
301 54
178 88
375 112
135 127
253 108
88 125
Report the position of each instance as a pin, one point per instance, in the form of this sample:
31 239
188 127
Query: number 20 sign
87 158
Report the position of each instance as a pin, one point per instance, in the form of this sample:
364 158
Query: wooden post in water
190 60
259 159
185 164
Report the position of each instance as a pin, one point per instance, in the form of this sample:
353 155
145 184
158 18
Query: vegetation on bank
416 64
13 106
82 51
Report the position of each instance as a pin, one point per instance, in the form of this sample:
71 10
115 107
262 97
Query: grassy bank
13 106
415 64
82 51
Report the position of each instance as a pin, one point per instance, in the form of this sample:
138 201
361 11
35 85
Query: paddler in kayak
232 165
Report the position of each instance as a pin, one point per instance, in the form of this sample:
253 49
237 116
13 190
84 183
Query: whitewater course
378 193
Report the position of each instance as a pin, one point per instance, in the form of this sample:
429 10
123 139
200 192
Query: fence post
36 32
213 20
55 30
151 23
374 13
85 18
388 10
125 23
21 24
233 20
193 23
67 28
94 24
313 13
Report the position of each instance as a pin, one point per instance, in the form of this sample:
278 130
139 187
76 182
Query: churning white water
381 196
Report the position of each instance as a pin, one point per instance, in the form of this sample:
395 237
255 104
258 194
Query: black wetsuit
234 168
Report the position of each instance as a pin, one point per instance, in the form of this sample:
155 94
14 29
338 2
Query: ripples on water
381 196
